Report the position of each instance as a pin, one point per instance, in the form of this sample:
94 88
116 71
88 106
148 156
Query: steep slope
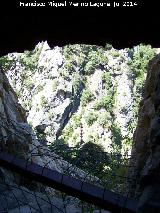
77 96
81 88
82 98
17 193
146 148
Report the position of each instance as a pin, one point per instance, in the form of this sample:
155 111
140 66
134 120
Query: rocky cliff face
77 88
17 193
81 89
146 147
13 119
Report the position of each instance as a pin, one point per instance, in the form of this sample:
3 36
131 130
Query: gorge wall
66 88
17 193
146 146
62 89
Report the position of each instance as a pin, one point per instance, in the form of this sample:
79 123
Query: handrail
77 188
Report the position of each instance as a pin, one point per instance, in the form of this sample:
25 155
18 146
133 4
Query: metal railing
71 186
33 178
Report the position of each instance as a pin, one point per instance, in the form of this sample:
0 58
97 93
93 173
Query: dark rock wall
146 147
13 123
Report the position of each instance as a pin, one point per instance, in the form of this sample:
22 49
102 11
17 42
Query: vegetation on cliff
86 96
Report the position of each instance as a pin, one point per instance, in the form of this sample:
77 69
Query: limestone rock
146 149
50 87
18 138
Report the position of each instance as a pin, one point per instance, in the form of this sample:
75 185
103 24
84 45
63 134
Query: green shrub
94 60
76 80
104 119
107 81
77 120
29 84
86 97
86 57
97 105
43 101
141 57
30 59
115 53
108 46
74 138
91 118
37 109
68 68
106 102
90 67
39 88
6 63
67 133
30 123
54 86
